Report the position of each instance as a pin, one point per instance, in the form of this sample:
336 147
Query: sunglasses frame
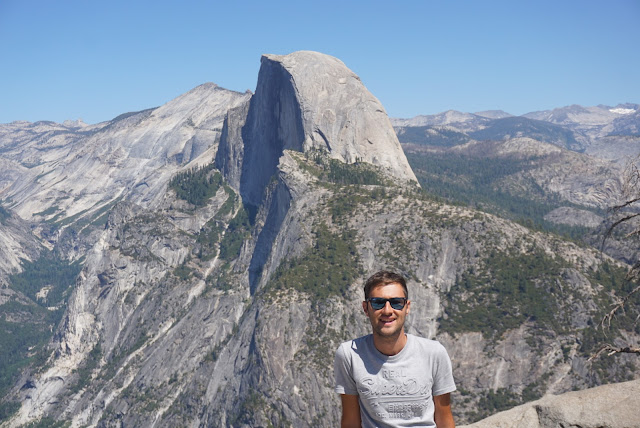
393 301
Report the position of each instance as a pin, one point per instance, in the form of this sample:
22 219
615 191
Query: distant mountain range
604 131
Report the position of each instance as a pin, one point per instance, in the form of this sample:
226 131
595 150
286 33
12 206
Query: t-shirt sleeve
443 382
342 370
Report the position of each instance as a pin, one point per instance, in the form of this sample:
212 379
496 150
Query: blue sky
70 59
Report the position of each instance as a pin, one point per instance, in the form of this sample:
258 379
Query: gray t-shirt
397 390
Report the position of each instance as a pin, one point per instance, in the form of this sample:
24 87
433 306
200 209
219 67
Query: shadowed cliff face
273 124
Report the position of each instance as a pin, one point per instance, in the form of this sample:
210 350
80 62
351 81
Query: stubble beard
388 334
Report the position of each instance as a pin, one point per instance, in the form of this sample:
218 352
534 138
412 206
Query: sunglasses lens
397 303
378 303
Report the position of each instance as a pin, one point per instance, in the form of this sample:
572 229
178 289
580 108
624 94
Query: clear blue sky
69 59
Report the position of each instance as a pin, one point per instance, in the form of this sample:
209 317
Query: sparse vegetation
478 182
208 238
183 272
325 269
26 326
319 164
509 290
222 279
89 365
237 232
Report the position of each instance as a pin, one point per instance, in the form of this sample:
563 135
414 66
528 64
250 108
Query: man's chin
388 332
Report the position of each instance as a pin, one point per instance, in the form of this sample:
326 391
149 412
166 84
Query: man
390 378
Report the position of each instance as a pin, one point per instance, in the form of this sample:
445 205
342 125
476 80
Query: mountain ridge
602 131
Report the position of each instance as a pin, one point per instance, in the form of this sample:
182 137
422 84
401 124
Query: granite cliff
306 101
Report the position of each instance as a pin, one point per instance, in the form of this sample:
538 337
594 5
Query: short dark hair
384 277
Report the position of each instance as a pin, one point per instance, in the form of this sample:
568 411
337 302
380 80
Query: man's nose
387 309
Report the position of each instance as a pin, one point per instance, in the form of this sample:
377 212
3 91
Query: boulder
606 406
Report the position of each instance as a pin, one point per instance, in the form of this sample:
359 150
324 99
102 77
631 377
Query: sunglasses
378 303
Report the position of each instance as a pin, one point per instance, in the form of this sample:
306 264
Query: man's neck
390 345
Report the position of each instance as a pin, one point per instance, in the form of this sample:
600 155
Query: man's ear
408 306
365 307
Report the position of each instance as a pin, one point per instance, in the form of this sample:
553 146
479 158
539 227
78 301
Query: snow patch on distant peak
622 110
79 123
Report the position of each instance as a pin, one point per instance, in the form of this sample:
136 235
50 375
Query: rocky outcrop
17 243
606 406
306 101
69 171
574 217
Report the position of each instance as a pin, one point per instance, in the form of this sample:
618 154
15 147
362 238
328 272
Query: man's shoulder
357 343
355 348
427 344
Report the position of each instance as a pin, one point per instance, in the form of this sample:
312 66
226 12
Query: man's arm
442 414
350 412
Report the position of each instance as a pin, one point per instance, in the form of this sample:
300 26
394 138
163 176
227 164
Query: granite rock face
54 171
606 406
306 101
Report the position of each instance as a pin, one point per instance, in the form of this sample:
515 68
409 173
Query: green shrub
20 340
48 270
183 272
334 171
197 185
47 423
8 409
26 328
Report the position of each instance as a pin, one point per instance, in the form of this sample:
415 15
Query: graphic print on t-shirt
396 394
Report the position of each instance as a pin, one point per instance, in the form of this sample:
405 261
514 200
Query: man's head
386 304
383 278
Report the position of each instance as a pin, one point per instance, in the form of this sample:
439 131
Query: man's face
387 322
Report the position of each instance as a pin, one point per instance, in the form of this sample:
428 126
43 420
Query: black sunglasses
378 303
